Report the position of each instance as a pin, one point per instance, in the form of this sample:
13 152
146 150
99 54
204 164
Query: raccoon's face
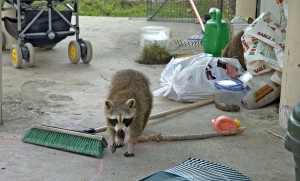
119 114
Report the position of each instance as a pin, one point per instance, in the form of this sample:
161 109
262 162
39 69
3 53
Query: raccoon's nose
120 131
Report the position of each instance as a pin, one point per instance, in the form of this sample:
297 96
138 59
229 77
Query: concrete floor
56 92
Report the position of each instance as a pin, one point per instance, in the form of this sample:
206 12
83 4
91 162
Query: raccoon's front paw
119 145
113 147
128 154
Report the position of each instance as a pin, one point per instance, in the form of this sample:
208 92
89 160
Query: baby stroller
44 23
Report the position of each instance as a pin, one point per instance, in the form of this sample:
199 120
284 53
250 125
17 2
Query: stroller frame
50 6
29 36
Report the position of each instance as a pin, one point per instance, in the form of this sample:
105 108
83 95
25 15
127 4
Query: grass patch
142 8
114 8
154 54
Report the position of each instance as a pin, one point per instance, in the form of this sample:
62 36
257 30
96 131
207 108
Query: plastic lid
229 85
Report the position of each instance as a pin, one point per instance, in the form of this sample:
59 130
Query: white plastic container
228 95
154 34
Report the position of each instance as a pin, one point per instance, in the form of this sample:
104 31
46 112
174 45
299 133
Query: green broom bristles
66 140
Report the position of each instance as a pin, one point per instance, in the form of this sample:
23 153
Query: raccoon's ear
130 103
108 104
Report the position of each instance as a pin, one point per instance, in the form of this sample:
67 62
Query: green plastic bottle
216 34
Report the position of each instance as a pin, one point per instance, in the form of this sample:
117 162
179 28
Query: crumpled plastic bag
192 78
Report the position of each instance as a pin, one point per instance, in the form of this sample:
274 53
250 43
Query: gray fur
234 49
130 100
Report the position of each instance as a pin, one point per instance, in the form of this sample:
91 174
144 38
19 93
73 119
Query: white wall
245 8
290 88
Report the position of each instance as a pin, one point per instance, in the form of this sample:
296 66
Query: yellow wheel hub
72 52
14 56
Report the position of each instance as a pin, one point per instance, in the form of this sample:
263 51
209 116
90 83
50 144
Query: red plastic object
224 123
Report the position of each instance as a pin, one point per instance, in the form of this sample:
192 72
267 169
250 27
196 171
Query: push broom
86 142
66 140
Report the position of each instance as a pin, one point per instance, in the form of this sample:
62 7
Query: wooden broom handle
182 108
172 111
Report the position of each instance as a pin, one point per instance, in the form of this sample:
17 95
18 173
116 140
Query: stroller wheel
30 60
89 52
74 52
16 56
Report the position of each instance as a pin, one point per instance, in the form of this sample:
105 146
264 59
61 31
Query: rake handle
197 14
172 111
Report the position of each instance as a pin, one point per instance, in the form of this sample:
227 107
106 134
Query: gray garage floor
56 92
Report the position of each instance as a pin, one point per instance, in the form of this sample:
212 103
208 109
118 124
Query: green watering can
216 34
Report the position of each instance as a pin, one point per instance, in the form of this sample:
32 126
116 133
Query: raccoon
234 49
128 105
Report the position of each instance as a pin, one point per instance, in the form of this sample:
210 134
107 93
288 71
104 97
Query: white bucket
154 34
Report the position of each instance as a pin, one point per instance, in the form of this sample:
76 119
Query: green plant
114 8
154 54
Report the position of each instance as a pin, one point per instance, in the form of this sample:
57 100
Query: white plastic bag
186 80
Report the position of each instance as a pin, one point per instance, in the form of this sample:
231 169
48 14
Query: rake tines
194 40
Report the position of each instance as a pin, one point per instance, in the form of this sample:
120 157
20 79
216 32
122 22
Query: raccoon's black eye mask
127 121
113 122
